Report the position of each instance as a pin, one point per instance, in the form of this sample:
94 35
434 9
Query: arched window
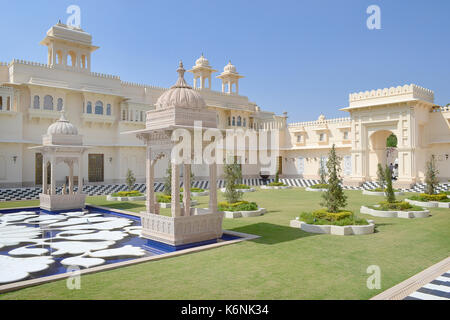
48 102
59 55
99 107
36 102
136 115
124 115
60 105
229 121
245 122
234 121
108 109
142 116
89 107
71 59
239 121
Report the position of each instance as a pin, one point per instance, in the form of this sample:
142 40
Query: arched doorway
383 150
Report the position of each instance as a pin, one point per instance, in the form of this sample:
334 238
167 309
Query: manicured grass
285 263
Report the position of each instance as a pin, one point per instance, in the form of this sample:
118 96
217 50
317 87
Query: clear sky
303 57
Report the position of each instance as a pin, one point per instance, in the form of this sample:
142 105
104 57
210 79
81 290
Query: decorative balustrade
320 122
418 91
440 108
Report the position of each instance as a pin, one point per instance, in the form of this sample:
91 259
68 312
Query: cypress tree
431 176
334 197
130 180
390 195
232 173
381 179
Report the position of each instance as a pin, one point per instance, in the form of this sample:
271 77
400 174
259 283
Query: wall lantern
110 159
14 159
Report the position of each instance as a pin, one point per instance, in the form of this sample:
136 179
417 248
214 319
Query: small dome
230 67
180 94
321 118
62 126
202 62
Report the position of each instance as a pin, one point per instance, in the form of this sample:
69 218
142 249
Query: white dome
62 126
180 95
202 62
229 67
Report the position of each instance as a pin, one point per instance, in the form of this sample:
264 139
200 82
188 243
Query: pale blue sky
303 57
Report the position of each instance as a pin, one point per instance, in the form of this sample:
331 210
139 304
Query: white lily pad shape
25 251
15 269
136 230
82 262
78 247
73 214
126 251
101 235
12 235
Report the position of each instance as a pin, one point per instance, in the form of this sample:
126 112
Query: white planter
165 205
111 198
275 188
335 230
245 214
395 214
377 193
241 190
315 190
429 204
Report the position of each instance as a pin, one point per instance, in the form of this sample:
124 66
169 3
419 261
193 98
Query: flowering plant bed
339 223
165 201
197 192
275 185
240 209
440 200
398 209
126 196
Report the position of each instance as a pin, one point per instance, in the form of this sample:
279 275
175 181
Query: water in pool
35 243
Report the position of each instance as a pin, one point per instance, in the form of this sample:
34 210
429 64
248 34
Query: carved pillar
187 189
80 175
213 187
44 175
53 176
229 86
150 182
175 203
71 177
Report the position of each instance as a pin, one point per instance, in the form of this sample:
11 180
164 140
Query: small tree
277 176
431 176
168 181
232 173
334 197
390 195
130 180
381 179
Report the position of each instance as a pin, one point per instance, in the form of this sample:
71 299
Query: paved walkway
431 284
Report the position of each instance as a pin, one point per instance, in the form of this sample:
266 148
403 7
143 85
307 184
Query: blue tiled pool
31 237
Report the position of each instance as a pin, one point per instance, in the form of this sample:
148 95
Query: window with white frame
108 109
322 137
299 138
48 102
59 104
36 102
99 107
346 135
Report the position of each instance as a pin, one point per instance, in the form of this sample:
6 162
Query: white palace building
103 106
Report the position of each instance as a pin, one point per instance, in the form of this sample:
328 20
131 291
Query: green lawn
285 263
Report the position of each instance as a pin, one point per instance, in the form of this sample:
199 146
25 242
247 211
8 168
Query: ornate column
213 188
229 86
80 175
175 203
44 175
53 176
150 183
187 189
70 177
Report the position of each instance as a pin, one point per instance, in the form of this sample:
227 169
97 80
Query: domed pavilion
62 144
180 107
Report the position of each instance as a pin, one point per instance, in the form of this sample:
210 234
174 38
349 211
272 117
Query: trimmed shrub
194 190
276 184
133 193
237 206
163 198
345 219
442 197
396 206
